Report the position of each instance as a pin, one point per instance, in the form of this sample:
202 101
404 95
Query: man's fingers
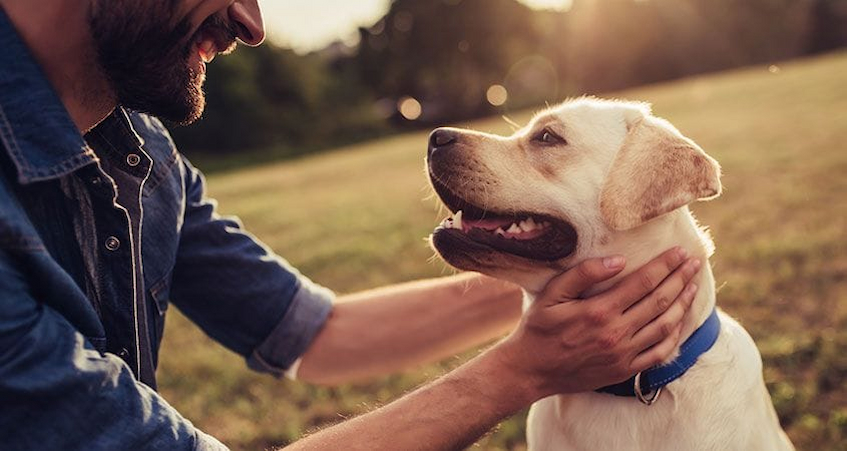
580 278
663 326
662 298
658 353
643 281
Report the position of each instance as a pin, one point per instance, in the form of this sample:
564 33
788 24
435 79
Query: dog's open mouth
529 235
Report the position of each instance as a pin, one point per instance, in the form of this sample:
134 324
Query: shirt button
133 159
123 353
113 243
96 181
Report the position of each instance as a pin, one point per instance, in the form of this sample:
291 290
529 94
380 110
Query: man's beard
147 59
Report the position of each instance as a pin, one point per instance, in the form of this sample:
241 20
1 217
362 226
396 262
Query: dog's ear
656 171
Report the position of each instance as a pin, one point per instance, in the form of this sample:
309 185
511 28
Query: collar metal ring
653 396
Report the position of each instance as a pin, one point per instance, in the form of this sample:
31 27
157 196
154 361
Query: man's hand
565 344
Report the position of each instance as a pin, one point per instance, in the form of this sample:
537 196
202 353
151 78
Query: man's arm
390 329
561 346
239 291
449 413
57 392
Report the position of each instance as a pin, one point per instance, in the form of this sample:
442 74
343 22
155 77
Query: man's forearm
561 346
450 413
391 329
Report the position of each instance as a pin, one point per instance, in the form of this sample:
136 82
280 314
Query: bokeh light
497 95
533 79
409 108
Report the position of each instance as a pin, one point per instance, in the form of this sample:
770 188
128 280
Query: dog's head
528 206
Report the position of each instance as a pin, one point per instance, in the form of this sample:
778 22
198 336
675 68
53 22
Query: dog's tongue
487 224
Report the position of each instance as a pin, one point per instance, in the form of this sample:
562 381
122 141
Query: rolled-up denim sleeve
239 291
58 392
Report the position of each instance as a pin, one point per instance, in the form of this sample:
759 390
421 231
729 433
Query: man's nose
248 17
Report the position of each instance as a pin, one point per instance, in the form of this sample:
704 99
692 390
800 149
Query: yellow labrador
593 178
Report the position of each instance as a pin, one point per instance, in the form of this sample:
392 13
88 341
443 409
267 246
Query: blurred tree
828 25
446 54
272 97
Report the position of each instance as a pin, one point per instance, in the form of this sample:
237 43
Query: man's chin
193 103
183 112
190 116
175 96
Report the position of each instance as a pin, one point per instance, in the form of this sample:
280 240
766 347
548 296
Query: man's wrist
516 386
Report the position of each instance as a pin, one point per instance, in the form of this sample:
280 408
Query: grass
356 217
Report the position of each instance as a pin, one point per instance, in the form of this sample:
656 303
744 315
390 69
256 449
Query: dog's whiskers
513 124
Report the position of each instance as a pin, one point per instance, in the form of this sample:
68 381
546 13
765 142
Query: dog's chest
602 422
721 403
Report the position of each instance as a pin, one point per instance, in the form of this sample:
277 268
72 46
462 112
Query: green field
356 217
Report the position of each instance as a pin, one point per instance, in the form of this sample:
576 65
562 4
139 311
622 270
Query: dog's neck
678 228
640 245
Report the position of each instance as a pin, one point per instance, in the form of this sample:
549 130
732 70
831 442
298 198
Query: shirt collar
35 129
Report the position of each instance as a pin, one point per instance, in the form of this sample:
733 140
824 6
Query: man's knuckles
668 326
597 315
611 339
648 279
663 303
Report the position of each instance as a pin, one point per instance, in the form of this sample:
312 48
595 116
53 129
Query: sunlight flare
558 5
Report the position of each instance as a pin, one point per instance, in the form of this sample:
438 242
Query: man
103 223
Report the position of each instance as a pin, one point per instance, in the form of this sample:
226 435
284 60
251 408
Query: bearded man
103 223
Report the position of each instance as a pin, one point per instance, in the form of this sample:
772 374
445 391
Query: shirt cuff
292 371
308 312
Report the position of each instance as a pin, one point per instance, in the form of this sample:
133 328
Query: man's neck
57 34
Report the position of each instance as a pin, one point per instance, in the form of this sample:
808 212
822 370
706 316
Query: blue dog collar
647 385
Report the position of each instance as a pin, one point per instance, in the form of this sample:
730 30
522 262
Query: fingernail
696 264
682 252
613 262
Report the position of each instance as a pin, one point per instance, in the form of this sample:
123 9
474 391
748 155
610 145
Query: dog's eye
548 138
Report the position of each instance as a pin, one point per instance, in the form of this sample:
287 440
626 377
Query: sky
307 25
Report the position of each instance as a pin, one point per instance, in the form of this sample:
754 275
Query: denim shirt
98 235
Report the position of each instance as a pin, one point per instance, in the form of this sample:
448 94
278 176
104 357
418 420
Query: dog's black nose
441 138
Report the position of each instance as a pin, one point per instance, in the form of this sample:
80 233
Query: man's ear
656 171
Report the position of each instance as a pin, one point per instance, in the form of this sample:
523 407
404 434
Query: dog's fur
622 180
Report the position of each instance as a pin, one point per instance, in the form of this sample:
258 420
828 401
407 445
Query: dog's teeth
500 231
532 223
457 220
527 226
514 229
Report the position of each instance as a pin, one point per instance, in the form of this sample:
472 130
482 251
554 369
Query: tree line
450 60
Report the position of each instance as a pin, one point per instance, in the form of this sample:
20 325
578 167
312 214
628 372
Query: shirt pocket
160 292
159 295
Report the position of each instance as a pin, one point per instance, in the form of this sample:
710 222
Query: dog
592 178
